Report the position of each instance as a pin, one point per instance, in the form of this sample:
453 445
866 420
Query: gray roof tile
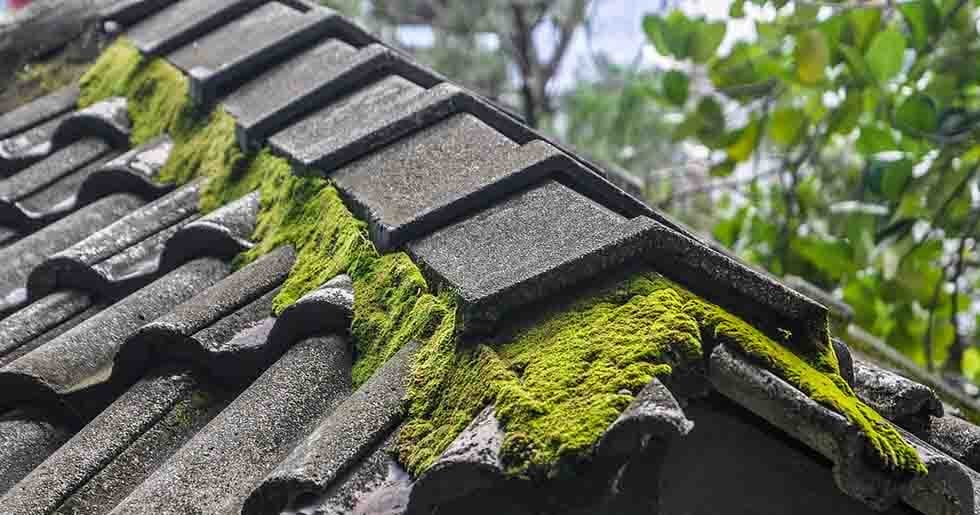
219 466
121 257
312 79
38 111
182 22
26 439
65 369
344 436
520 250
21 257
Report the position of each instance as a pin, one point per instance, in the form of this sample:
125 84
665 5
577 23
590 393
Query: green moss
558 383
818 377
156 91
393 305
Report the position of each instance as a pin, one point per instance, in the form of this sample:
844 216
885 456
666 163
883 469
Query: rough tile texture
529 246
654 413
79 362
472 462
183 22
273 31
907 403
133 172
310 80
127 12
46 191
198 329
222 233
38 318
375 485
327 309
21 257
26 439
405 189
216 470
38 111
48 485
107 120
342 438
122 257
356 117
23 149
954 436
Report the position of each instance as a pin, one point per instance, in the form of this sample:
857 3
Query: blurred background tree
832 140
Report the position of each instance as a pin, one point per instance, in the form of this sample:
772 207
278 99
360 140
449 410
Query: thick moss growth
393 305
557 383
560 382
816 376
156 91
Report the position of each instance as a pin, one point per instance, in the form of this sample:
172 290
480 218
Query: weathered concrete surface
311 80
73 371
133 172
99 443
21 257
123 256
183 22
273 31
223 233
342 438
359 116
27 437
38 111
218 468
38 319
525 248
426 179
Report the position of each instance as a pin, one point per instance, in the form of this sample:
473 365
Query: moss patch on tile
560 381
156 91
557 384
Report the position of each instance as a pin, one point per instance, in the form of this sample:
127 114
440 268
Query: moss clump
156 91
392 303
558 383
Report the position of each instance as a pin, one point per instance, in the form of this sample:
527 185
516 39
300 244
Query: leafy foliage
856 136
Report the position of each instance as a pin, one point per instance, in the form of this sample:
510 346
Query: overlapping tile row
141 374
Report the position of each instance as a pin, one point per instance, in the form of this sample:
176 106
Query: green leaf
785 126
737 9
711 126
856 63
709 36
656 30
745 142
676 87
848 114
829 255
864 24
723 169
671 36
917 115
812 57
885 54
874 139
922 18
895 175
